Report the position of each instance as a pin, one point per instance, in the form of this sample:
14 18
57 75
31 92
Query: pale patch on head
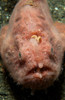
40 65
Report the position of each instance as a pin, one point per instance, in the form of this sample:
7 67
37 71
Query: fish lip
46 75
45 72
41 71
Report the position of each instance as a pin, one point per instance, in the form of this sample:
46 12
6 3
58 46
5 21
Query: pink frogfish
32 46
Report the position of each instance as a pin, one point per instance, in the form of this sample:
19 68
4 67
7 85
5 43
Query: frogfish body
31 46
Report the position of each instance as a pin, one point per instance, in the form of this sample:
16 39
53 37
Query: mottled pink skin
61 29
32 64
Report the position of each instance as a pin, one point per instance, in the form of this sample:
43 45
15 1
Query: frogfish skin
31 46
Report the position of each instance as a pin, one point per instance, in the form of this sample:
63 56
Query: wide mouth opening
39 70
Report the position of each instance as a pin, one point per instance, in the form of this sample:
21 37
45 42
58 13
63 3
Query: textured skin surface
61 29
32 62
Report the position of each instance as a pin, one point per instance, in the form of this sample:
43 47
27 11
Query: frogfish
32 45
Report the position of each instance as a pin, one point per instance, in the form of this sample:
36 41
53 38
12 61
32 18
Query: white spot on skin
38 75
39 30
12 51
40 65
